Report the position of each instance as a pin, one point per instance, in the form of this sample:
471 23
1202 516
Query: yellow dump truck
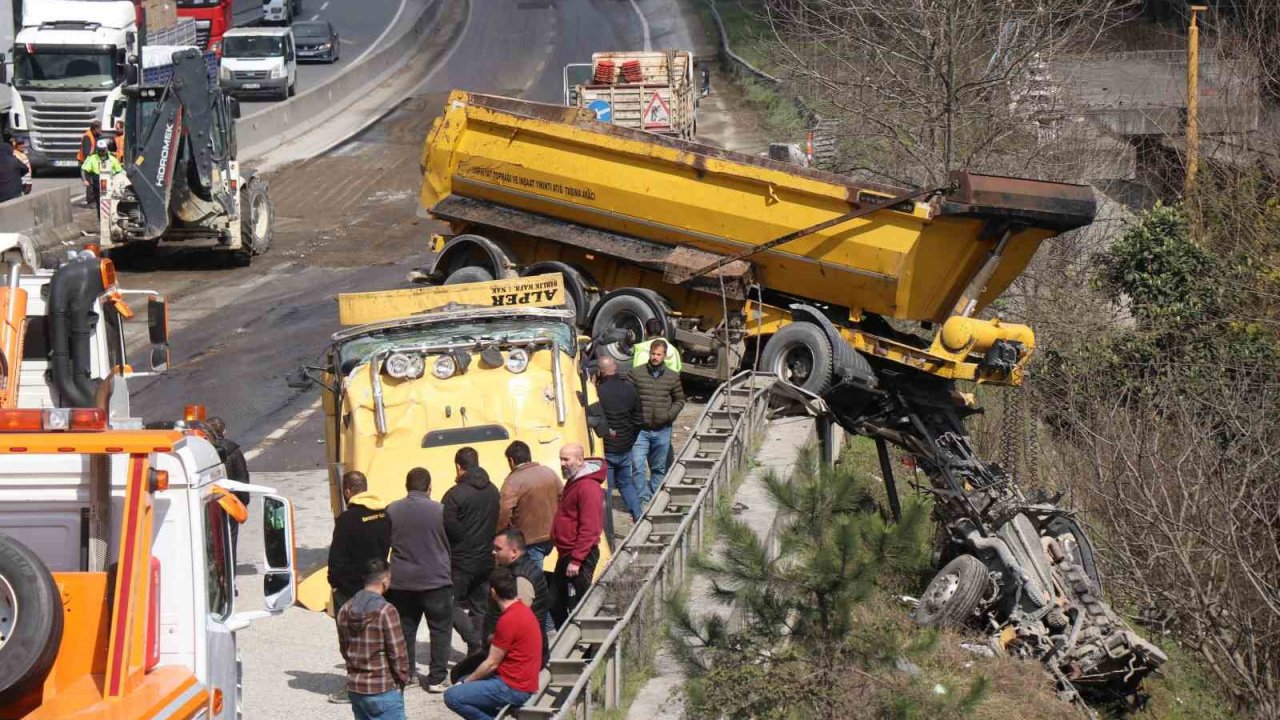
864 297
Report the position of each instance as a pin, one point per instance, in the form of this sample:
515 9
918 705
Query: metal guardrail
810 117
622 607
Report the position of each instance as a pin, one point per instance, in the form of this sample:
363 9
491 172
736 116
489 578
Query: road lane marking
324 6
373 45
269 441
644 26
315 17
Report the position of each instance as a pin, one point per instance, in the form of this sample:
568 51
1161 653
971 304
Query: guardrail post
613 678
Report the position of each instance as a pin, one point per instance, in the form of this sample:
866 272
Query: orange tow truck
117 563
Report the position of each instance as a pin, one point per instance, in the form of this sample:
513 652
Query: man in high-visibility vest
118 140
653 331
88 141
94 166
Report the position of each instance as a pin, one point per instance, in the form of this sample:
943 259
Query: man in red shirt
515 655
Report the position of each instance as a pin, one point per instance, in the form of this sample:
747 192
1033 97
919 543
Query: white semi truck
67 61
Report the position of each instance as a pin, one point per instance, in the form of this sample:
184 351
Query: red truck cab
213 19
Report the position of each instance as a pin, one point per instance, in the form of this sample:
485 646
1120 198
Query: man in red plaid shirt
373 646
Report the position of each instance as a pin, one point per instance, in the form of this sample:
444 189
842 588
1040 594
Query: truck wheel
800 354
953 594
576 285
468 274
257 220
30 619
293 89
624 310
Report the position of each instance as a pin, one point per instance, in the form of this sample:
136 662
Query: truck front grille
57 127
252 74
203 31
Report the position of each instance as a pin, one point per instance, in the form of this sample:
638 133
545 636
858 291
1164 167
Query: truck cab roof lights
52 420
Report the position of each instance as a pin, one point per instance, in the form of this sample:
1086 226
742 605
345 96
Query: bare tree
922 87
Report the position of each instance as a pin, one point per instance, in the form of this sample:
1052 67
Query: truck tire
468 274
257 220
577 286
625 310
800 354
954 594
30 619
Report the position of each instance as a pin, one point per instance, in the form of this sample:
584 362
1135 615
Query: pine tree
797 647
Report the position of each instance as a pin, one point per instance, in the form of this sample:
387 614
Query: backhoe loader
181 179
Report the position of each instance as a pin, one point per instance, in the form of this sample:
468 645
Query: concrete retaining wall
44 216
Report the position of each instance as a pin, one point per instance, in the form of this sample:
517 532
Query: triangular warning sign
657 116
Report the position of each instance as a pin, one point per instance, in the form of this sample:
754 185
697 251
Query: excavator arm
168 134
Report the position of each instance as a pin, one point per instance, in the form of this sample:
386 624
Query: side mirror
130 74
158 321
158 329
299 379
159 358
235 109
279 584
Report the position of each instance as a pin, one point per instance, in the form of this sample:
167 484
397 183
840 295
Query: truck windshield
499 330
252 46
64 68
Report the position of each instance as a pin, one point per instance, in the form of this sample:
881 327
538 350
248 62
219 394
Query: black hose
72 292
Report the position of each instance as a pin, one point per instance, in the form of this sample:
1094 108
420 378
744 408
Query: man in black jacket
471 520
509 551
12 171
616 419
234 464
360 534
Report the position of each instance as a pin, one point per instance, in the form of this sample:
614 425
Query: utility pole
1193 101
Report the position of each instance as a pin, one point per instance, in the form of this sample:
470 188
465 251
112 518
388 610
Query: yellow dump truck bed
671 204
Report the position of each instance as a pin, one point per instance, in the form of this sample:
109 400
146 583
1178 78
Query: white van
259 61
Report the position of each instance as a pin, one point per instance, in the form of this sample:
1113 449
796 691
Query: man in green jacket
661 400
101 161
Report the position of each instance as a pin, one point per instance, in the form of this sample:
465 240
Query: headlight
224 72
405 365
445 367
323 46
278 71
518 360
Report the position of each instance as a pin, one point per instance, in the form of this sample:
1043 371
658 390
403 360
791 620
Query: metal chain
1010 437
1032 457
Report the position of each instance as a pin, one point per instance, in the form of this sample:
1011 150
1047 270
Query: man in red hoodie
576 529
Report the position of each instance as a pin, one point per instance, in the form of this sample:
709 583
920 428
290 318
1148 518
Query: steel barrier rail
652 560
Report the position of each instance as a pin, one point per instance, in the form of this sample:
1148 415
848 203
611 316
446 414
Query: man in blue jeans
509 675
616 420
661 400
373 647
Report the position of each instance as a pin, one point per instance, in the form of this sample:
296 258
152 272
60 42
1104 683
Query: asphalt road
345 221
360 24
